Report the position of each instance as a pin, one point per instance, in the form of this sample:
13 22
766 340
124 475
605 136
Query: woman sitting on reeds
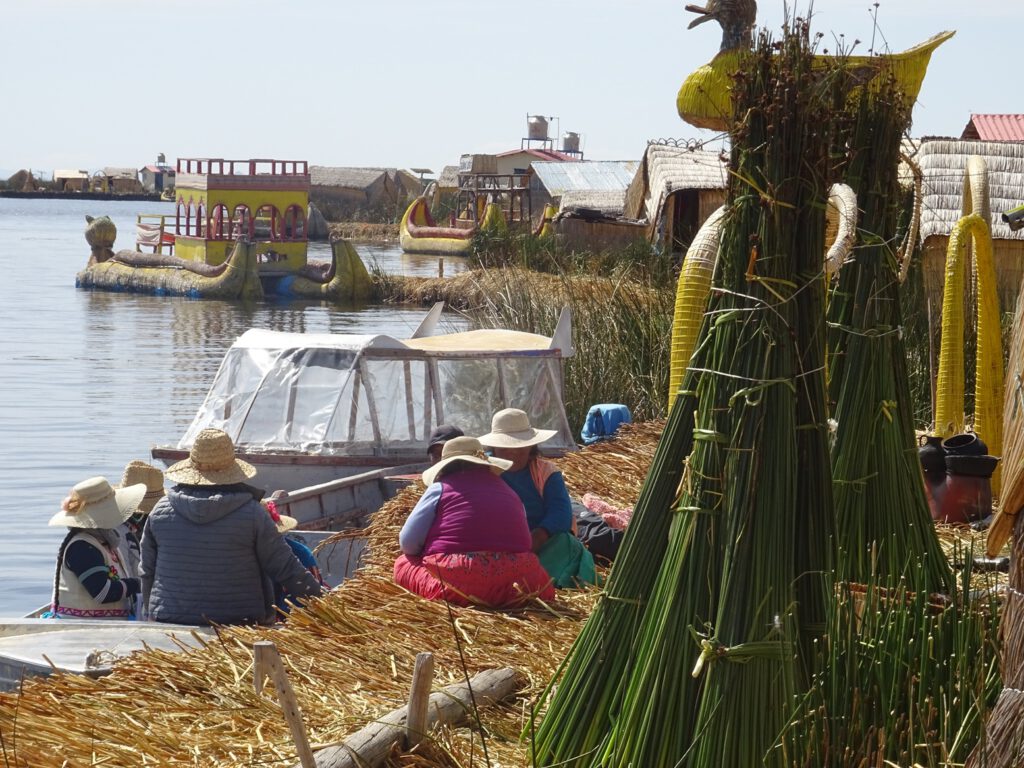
541 488
467 541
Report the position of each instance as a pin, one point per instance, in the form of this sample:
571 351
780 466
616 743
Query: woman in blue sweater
541 487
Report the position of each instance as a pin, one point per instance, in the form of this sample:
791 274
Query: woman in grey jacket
210 552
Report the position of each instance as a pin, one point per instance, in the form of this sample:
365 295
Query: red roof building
995 128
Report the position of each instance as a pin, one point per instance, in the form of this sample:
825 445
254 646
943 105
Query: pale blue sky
88 83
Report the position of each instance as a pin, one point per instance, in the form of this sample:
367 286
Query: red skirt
488 579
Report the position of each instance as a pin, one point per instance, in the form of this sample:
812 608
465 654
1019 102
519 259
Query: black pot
965 444
933 458
972 466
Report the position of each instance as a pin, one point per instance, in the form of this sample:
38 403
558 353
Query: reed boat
239 231
418 233
340 422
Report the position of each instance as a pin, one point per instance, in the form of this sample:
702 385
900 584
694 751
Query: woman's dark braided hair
60 564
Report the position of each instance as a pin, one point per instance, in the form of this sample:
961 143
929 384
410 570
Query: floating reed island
349 658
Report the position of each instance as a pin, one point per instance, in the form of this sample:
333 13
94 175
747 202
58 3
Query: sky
404 83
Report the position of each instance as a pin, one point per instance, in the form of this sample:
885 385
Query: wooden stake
267 663
419 699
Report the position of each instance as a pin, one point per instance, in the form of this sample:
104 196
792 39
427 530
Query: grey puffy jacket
210 554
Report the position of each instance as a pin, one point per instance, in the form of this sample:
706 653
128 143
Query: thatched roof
449 177
943 162
666 169
351 178
120 173
607 201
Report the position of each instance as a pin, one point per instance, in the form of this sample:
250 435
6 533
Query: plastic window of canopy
329 401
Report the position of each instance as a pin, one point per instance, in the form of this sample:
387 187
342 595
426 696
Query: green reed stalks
884 525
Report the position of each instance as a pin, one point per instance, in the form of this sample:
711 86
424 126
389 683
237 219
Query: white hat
511 428
94 503
466 449
211 462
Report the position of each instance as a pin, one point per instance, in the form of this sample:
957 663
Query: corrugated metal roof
585 176
995 128
541 154
943 163
353 178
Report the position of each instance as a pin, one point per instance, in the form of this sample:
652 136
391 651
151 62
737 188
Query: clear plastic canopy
338 395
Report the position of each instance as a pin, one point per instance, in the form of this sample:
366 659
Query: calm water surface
91 380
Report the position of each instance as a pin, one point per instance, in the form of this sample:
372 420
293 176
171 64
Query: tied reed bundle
728 583
885 531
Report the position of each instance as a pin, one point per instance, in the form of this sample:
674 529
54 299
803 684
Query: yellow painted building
219 201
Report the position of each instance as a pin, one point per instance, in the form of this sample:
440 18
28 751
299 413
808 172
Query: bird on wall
704 98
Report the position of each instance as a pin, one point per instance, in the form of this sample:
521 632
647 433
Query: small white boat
341 421
33 646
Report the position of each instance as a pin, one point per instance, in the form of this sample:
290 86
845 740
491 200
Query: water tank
161 159
570 141
537 127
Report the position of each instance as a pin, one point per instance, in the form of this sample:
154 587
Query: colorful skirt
487 579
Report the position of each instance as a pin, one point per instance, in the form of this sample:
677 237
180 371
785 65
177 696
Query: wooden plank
266 662
300 494
419 699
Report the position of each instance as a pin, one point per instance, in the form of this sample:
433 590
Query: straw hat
511 428
211 462
95 503
283 523
140 472
468 450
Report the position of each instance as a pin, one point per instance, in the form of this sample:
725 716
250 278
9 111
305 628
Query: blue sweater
552 511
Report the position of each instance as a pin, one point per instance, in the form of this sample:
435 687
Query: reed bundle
349 656
885 531
1003 743
706 674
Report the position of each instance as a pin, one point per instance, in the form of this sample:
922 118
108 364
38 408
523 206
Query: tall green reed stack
702 642
885 529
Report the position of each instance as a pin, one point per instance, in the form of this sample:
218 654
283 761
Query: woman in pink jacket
467 540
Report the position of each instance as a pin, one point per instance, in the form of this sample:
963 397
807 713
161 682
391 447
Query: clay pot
966 494
964 444
933 457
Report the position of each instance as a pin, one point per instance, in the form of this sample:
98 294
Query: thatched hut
675 189
942 163
361 194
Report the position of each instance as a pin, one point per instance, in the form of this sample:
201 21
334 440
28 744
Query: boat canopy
375 395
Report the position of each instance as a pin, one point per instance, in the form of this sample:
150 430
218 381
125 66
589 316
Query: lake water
91 380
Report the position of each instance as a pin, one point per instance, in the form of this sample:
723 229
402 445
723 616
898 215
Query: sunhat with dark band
510 428
211 462
465 449
95 503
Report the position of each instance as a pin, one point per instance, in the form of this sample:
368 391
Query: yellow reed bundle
988 383
692 292
1011 498
949 391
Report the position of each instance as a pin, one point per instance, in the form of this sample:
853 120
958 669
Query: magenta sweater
477 512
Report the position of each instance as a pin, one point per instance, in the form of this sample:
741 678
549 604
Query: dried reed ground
349 657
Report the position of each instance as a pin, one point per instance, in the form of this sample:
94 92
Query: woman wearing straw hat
210 552
466 540
283 524
94 578
153 478
540 486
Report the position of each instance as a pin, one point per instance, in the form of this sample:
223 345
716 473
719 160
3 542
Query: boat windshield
374 399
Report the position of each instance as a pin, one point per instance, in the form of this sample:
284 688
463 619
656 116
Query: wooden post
419 699
440 267
266 662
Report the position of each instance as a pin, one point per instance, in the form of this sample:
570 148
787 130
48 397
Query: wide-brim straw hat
95 503
153 477
211 462
510 428
467 450
283 523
